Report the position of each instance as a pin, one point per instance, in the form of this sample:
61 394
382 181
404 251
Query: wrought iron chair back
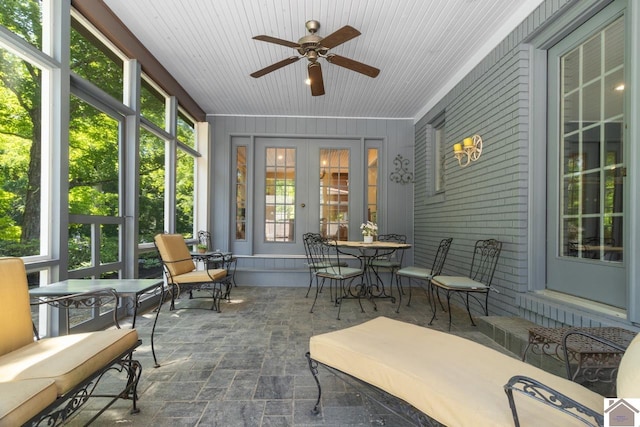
484 261
483 266
441 256
326 258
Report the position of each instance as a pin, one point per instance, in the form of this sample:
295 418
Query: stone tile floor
246 365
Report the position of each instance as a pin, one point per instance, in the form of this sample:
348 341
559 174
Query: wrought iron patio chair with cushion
388 260
423 273
483 266
219 259
314 262
326 253
182 274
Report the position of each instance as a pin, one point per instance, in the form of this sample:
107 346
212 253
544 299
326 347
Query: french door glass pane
241 193
334 193
372 185
280 193
592 147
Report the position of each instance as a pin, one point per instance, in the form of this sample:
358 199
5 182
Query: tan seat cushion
22 400
415 272
456 381
198 276
67 360
457 282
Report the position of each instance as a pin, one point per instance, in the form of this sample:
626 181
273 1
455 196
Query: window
152 186
592 78
184 193
334 193
152 104
372 185
20 156
241 193
585 215
95 62
439 158
279 202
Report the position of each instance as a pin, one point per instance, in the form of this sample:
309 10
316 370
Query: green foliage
94 153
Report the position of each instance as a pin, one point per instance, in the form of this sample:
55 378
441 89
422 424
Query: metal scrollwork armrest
550 397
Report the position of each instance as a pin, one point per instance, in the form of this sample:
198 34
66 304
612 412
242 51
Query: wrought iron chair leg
469 310
399 286
313 367
316 297
310 283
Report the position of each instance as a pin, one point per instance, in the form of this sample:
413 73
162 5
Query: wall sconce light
468 151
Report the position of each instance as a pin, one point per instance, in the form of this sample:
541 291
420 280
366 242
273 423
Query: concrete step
512 333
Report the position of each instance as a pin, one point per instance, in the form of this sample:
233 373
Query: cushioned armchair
182 274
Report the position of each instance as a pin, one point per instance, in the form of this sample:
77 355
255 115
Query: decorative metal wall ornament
402 174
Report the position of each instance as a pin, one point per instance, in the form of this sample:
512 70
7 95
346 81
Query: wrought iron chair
388 260
182 274
219 259
424 274
326 255
314 263
483 266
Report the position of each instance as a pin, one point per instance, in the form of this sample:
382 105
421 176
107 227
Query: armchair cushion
458 282
199 276
175 253
415 272
15 316
21 399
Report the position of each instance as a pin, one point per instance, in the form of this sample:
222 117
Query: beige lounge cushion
628 382
456 381
415 272
22 400
15 316
68 359
458 282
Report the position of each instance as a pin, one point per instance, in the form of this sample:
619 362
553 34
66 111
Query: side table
595 361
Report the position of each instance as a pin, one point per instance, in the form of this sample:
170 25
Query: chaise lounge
449 380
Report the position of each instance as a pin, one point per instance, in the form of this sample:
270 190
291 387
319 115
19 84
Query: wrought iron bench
45 381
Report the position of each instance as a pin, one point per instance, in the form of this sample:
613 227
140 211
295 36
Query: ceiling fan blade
359 67
276 40
315 76
340 36
275 66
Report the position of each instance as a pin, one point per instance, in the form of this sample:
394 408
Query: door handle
302 205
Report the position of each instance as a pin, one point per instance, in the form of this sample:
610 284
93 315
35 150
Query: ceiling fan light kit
313 47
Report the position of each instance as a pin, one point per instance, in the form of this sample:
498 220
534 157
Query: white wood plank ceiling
422 47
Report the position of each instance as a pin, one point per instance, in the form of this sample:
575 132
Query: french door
305 185
586 215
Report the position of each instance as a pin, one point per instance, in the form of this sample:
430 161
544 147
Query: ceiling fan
313 47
